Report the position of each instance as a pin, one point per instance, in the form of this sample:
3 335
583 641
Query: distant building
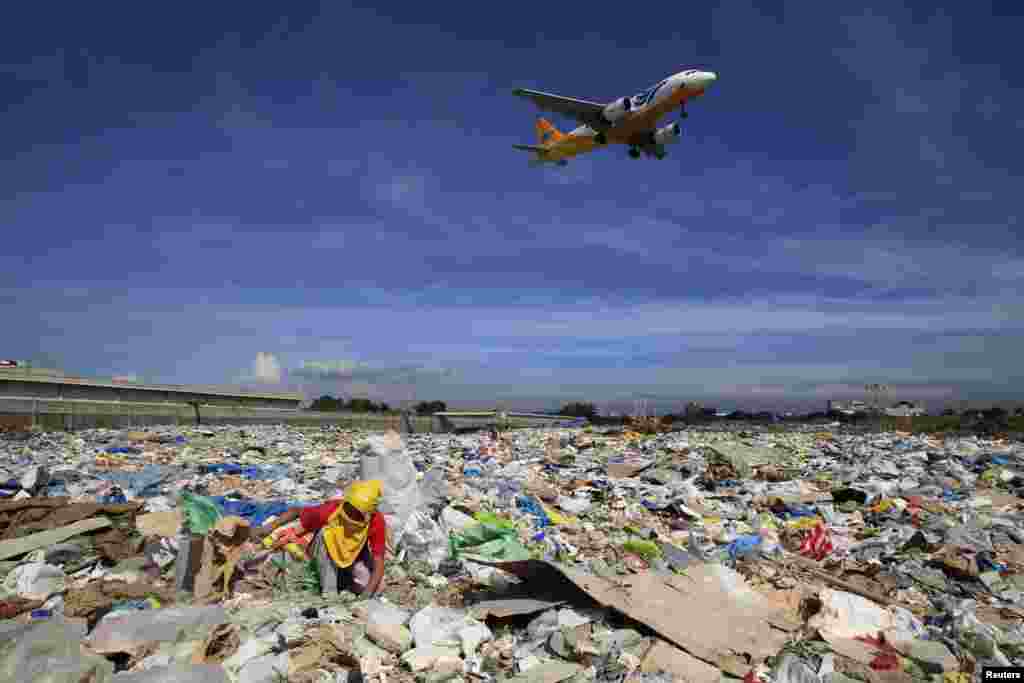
848 407
905 409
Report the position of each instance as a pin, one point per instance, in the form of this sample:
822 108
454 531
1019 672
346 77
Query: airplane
628 121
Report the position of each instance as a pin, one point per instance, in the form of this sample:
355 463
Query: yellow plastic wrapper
804 523
555 516
883 505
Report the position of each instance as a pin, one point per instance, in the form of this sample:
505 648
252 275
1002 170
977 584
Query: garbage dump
273 553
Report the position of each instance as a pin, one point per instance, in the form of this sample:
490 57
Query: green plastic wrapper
645 549
200 512
494 520
488 541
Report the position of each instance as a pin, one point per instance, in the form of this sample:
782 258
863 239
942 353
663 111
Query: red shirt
315 518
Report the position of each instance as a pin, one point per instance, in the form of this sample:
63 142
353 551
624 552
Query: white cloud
267 368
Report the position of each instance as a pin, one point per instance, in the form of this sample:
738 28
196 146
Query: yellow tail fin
547 133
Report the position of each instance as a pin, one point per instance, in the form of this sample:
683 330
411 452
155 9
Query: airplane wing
530 148
587 113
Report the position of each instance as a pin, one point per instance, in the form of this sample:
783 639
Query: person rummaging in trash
350 538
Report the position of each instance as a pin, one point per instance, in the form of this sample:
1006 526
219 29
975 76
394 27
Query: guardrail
49 377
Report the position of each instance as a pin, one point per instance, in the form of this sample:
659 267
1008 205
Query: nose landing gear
634 153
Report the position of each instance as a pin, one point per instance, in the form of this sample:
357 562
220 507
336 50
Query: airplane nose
707 78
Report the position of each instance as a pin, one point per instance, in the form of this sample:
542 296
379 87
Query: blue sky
187 187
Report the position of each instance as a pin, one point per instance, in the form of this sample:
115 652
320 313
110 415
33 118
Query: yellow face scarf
345 537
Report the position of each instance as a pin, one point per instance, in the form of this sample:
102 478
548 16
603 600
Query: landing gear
683 113
601 138
634 153
659 155
563 162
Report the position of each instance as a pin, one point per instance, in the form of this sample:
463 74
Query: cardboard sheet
710 613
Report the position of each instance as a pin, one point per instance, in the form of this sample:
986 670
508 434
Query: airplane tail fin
546 132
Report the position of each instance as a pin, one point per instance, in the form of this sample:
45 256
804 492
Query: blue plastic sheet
144 483
797 511
743 546
255 512
258 472
230 468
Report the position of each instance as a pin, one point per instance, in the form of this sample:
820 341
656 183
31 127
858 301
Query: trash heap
796 556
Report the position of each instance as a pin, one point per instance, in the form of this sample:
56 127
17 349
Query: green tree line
328 403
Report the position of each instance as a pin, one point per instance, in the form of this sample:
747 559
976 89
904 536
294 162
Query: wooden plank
43 539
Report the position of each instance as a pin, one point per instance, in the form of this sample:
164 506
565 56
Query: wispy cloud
267 368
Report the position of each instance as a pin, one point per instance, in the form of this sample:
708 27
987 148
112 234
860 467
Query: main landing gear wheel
634 153
659 155
683 114
601 138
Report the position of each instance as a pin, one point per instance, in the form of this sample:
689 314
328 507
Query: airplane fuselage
636 127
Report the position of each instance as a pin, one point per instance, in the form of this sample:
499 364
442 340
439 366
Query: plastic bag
424 540
494 520
433 487
34 581
534 507
386 613
50 652
490 541
439 626
200 512
817 544
744 546
385 458
178 673
124 631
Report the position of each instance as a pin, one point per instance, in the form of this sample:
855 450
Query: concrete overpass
52 400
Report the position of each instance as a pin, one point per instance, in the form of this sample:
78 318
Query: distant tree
384 408
362 405
327 403
948 412
430 407
995 413
579 409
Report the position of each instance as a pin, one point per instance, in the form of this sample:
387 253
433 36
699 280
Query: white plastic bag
440 626
424 540
50 652
385 458
34 581
124 631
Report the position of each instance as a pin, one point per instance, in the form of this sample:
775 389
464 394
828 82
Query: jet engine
617 110
668 134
